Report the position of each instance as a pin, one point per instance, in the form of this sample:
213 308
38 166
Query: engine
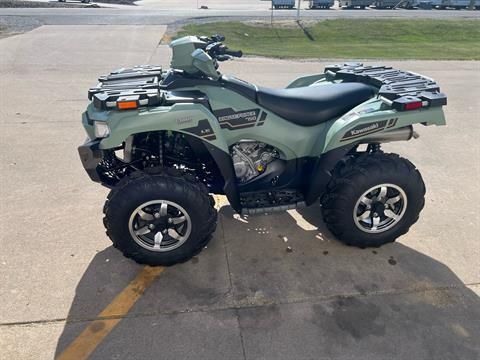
251 158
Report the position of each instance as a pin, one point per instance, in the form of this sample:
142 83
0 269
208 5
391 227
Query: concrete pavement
244 297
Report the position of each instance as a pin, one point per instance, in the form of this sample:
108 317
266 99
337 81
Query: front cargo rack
110 99
397 86
139 84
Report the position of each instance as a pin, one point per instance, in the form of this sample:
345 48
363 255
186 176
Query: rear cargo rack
395 85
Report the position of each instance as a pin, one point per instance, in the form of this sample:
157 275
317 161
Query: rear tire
373 199
157 203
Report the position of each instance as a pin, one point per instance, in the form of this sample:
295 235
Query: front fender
192 119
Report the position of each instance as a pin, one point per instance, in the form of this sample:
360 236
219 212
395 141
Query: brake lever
224 57
210 46
218 38
212 49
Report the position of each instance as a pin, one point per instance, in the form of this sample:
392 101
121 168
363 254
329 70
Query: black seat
312 105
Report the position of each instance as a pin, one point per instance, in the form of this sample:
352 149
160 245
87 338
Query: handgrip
234 53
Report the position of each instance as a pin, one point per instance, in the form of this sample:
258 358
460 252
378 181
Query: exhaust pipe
401 134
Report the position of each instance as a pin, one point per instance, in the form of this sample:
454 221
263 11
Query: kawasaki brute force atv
164 140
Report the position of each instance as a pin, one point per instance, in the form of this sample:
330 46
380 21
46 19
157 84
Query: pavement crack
226 258
239 305
242 341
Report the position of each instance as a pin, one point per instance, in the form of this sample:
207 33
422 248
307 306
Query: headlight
101 129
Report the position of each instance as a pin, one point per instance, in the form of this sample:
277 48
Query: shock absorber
372 148
161 134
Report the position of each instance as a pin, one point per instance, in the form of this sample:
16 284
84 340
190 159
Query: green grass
358 38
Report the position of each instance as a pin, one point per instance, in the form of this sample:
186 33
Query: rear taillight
406 103
422 100
413 105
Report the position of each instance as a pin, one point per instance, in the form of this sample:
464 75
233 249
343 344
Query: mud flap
322 173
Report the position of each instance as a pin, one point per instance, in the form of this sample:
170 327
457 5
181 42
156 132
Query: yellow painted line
96 331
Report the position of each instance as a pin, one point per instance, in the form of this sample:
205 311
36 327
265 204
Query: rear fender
374 116
306 80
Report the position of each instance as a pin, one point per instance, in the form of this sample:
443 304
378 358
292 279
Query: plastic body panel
294 141
221 111
182 50
204 64
372 114
306 80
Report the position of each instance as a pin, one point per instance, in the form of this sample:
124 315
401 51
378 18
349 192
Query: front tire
373 199
160 219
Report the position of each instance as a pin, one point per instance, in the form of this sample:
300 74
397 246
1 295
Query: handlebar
234 53
212 39
218 38
217 50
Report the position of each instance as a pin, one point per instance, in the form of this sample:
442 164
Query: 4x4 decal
203 129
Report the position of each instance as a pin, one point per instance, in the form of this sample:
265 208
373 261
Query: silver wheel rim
160 225
380 208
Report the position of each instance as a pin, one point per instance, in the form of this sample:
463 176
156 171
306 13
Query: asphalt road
155 12
66 292
157 16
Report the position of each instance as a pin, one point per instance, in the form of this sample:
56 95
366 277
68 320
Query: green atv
164 140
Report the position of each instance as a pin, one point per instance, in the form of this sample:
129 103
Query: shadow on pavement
246 296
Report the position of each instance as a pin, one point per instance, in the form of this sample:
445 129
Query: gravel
37 4
10 25
121 2
56 4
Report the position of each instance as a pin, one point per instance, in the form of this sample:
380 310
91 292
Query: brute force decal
262 118
203 129
231 120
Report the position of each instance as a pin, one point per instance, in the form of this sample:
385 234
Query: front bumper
91 155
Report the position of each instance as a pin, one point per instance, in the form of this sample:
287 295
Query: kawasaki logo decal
366 129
